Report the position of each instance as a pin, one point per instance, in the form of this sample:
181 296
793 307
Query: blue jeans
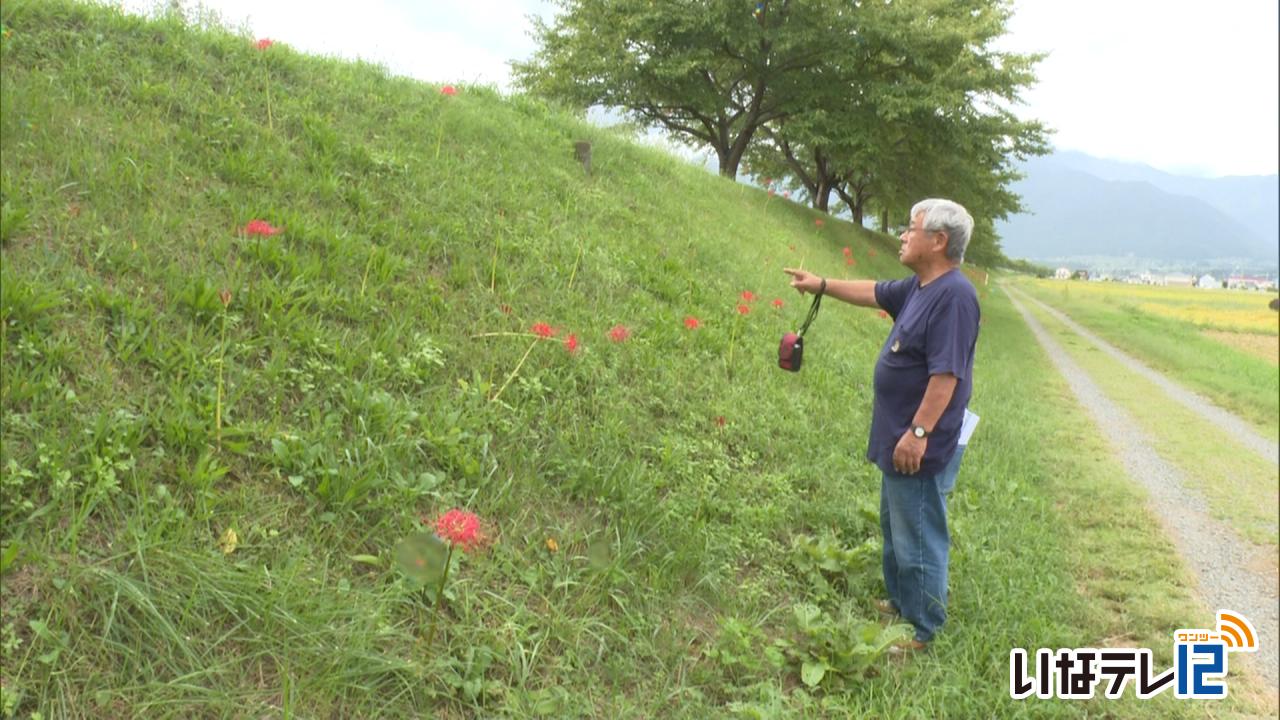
913 524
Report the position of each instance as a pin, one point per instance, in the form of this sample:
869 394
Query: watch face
918 431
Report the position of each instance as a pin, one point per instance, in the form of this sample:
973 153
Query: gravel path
1219 557
1244 433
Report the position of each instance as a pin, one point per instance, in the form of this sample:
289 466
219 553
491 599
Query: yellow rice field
1229 310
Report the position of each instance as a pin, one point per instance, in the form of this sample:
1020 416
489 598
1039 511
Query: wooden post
582 151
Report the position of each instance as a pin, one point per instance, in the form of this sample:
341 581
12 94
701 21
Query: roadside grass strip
1224 567
1055 491
1237 380
1241 488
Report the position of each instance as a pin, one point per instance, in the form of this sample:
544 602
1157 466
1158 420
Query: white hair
950 217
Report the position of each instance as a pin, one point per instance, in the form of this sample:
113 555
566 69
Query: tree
709 72
915 108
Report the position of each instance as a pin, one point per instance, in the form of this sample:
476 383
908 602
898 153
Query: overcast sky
1186 86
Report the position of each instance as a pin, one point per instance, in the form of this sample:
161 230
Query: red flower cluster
692 323
850 261
260 227
543 330
449 90
571 343
619 333
748 296
743 309
818 222
265 43
847 252
777 302
461 529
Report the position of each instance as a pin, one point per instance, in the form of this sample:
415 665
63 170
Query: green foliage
832 570
838 650
711 73
881 103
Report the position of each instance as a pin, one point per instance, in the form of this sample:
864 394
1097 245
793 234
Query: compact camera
791 348
791 352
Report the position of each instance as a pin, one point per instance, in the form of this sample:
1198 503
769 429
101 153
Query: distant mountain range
1090 209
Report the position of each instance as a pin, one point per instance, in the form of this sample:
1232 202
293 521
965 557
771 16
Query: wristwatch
919 431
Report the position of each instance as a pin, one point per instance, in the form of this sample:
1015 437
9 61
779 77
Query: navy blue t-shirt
935 329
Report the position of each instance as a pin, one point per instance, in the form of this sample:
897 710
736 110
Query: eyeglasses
910 230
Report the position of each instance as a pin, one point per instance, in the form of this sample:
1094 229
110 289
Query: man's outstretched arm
856 292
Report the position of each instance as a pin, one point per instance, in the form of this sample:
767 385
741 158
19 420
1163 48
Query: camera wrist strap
813 313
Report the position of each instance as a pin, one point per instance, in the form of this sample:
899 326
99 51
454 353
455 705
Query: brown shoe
886 607
906 648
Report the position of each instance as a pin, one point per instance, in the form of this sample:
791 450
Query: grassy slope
362 349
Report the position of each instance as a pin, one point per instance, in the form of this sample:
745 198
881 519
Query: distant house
1062 274
1208 281
1179 280
1247 282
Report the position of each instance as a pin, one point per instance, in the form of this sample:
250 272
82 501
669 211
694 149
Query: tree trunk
884 221
582 151
822 197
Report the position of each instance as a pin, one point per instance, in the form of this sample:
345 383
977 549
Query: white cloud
1179 85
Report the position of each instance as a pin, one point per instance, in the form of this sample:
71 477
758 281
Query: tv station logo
1199 671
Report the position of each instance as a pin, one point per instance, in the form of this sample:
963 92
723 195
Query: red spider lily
265 43
777 302
260 227
883 314
818 222
743 309
449 90
619 333
543 330
748 296
847 252
571 343
461 529
225 296
850 261
692 323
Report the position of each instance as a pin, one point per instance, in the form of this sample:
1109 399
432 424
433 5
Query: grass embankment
1239 486
714 530
1179 331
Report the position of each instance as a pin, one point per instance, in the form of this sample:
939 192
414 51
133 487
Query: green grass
1239 486
364 348
1236 380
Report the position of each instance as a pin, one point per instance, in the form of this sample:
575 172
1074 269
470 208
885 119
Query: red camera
791 352
791 349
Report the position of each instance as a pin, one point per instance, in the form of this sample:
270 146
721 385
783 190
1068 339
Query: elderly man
923 379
